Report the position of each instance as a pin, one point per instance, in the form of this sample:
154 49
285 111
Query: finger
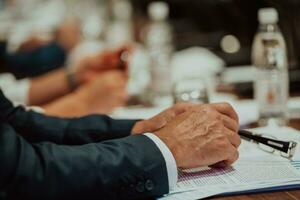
183 107
233 137
232 156
168 117
226 109
229 156
230 123
221 164
169 114
160 120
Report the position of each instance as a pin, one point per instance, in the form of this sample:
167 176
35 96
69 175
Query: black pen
287 147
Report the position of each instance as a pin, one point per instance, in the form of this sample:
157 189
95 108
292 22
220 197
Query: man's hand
68 34
203 136
157 122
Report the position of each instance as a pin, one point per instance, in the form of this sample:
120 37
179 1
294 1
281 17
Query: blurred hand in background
101 95
90 67
106 92
68 34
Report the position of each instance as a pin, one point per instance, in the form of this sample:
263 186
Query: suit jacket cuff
123 127
96 128
169 159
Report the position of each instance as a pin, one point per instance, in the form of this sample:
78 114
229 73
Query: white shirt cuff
169 158
15 90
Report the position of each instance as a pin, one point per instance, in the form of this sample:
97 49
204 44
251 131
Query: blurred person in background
36 36
60 91
97 86
36 56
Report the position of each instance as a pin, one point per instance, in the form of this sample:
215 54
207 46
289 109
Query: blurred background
154 45
203 23
207 22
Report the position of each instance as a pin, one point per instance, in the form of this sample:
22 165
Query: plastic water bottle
159 43
121 29
269 56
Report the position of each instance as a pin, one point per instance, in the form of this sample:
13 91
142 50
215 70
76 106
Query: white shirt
169 158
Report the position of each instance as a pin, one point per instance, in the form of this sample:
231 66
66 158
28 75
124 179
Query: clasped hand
197 135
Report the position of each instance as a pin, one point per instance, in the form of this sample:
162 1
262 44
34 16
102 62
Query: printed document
255 169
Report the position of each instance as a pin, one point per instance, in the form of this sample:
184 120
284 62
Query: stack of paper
254 170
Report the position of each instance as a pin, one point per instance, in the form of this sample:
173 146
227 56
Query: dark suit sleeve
127 168
36 62
37 128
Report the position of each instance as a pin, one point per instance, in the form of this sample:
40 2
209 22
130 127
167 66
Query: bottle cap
158 11
268 16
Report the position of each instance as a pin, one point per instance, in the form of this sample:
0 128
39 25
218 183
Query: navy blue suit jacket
93 157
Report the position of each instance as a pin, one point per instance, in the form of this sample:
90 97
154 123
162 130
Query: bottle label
271 91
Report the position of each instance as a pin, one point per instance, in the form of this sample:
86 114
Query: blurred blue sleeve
36 62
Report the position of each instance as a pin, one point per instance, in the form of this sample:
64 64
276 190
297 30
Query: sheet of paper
243 172
194 194
242 177
209 191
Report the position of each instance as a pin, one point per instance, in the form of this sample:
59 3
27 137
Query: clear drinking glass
190 90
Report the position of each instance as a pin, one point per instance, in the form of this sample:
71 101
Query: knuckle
179 104
227 105
219 118
222 140
234 156
236 125
214 114
184 105
176 106
231 153
219 124
235 138
207 107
